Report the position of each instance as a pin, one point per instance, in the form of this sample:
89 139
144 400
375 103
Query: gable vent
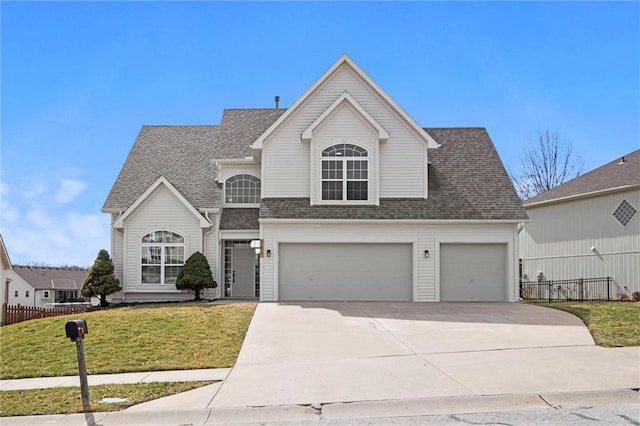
624 213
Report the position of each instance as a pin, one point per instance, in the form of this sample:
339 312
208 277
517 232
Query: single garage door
473 272
356 272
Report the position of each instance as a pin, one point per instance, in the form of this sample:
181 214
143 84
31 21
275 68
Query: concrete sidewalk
204 375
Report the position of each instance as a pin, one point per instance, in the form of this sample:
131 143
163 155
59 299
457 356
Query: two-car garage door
356 272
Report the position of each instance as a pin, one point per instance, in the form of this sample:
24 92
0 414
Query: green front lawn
68 400
611 323
129 339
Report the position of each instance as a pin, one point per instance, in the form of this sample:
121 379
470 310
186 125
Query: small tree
101 282
195 275
545 164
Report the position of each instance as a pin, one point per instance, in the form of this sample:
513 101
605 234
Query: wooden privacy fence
15 314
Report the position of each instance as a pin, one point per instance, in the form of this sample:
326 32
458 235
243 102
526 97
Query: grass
128 339
67 400
611 324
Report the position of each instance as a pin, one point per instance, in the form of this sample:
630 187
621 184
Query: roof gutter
581 196
268 220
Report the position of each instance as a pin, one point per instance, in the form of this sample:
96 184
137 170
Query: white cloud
68 190
70 238
39 219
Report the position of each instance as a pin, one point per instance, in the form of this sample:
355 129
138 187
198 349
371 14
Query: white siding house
587 228
342 196
45 286
5 267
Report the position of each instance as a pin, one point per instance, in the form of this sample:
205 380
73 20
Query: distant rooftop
622 172
52 278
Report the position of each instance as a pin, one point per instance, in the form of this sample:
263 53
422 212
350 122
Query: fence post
581 284
608 288
550 289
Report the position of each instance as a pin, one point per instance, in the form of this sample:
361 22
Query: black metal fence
579 289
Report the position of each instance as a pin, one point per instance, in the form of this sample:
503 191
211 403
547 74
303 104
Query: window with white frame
345 173
45 294
242 189
162 257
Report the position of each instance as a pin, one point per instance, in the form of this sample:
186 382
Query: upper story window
162 256
345 173
242 189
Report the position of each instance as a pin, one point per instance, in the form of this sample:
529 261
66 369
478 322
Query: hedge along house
342 196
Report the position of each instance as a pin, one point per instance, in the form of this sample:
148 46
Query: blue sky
80 78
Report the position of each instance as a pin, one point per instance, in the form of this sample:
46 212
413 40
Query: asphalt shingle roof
185 156
467 181
614 174
466 177
52 278
239 218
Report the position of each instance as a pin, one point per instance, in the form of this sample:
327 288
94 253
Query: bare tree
545 163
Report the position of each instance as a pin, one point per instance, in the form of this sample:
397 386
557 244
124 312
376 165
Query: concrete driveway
307 353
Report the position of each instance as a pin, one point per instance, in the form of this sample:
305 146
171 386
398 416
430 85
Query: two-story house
342 196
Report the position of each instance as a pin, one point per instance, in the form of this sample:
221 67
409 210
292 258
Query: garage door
356 272
473 272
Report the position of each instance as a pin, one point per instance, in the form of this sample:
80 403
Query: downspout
113 237
204 247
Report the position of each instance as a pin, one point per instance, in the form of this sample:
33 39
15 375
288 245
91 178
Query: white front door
244 272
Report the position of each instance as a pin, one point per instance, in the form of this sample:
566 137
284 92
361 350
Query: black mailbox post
75 330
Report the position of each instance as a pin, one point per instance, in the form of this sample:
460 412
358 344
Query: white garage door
473 272
356 272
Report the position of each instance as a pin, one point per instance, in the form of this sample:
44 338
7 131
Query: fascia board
204 222
383 135
258 144
393 221
581 196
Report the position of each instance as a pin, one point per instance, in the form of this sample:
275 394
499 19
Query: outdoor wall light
426 254
594 249
268 253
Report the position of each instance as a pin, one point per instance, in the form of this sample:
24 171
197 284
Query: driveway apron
313 352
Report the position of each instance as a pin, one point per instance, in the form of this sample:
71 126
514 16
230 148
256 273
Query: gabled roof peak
344 59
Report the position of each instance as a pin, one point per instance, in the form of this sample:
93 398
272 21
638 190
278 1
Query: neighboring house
5 267
45 286
588 227
342 196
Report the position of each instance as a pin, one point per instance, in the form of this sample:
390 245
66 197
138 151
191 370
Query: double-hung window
345 173
162 257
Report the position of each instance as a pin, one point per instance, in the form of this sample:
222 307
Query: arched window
242 189
162 256
345 173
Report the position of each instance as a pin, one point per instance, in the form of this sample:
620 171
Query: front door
244 273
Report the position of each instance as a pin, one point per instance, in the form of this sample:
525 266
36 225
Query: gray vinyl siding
210 250
160 211
402 157
425 274
558 240
117 255
344 125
